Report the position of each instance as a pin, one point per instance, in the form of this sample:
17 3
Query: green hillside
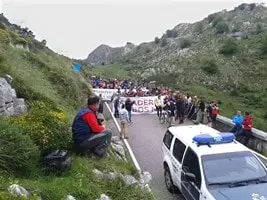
53 93
222 57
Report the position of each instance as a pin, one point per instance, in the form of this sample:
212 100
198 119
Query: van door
178 153
191 176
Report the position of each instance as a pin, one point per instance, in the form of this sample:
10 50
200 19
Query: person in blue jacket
237 120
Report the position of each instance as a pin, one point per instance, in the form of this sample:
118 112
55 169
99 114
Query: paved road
145 139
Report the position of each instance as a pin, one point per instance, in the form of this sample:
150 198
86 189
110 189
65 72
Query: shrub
211 17
169 33
157 40
18 153
47 126
265 115
264 44
21 40
216 21
199 28
229 46
4 37
185 43
259 29
209 65
174 33
163 42
222 27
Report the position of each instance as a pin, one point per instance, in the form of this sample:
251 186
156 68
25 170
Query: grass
80 182
112 71
42 75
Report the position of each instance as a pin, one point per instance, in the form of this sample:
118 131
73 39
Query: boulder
5 91
104 197
98 174
69 197
18 191
129 180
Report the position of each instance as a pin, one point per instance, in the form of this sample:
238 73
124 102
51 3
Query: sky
76 27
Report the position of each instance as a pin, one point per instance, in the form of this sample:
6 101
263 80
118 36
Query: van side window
191 165
178 150
167 140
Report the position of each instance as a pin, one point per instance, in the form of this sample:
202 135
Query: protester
159 105
89 137
124 120
247 128
200 111
213 111
180 107
100 107
128 106
237 120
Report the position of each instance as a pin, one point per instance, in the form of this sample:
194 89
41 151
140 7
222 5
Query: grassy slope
44 75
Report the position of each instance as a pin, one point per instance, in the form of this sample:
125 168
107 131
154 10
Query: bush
157 40
169 33
163 42
4 37
47 126
21 40
185 43
222 27
216 21
209 66
259 29
264 44
18 153
199 28
265 115
229 47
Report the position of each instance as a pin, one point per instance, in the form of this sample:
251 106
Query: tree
199 28
229 47
221 28
185 43
174 33
264 45
157 40
216 20
43 42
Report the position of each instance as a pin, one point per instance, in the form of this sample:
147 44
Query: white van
204 164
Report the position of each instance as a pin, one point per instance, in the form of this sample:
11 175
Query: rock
9 78
146 177
13 93
69 197
10 109
5 91
18 191
119 150
98 174
129 180
111 176
19 106
104 197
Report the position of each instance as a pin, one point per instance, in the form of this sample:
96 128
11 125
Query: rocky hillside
223 56
105 54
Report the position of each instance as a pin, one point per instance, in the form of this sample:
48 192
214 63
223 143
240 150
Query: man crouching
90 137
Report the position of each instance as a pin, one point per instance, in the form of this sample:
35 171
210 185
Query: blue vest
80 129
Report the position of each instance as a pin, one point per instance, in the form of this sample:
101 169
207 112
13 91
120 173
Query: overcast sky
76 27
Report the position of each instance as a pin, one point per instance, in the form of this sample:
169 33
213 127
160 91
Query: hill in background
222 57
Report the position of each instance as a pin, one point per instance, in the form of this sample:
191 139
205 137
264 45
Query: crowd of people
90 136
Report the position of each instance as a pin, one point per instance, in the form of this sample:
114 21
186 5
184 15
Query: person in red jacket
89 136
247 128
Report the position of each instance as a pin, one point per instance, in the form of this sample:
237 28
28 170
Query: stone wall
9 103
258 142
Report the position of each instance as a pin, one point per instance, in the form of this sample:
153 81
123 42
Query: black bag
56 161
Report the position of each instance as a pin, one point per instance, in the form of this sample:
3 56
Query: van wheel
168 181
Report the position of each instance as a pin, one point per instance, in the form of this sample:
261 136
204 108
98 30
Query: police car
205 164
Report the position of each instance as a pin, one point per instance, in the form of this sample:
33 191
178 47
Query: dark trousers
237 130
116 114
159 110
245 136
97 144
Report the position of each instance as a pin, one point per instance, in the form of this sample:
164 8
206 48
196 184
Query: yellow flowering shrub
48 126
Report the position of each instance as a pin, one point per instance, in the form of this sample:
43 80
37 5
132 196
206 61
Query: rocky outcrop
105 54
9 103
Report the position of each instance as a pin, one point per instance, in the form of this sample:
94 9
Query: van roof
187 133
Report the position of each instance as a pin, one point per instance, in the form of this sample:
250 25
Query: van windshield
232 167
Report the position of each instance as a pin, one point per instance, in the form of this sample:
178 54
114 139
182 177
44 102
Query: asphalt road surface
145 138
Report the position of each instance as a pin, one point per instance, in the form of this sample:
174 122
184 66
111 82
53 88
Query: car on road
205 164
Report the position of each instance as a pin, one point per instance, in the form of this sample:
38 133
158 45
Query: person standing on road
247 128
128 106
158 103
237 120
124 120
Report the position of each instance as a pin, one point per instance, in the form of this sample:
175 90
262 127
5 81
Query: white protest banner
106 93
143 105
